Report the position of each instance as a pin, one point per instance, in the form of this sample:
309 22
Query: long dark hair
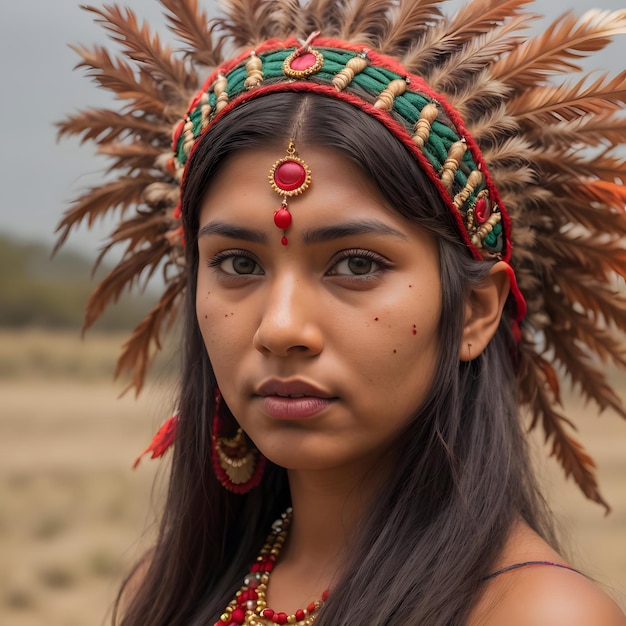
461 476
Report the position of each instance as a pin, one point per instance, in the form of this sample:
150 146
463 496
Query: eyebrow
313 235
232 231
347 229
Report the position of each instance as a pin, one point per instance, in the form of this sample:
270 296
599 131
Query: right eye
235 263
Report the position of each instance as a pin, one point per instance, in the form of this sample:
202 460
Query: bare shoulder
543 595
550 596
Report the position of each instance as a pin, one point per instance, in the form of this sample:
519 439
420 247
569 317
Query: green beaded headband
420 118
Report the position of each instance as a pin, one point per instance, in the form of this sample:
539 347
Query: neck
327 507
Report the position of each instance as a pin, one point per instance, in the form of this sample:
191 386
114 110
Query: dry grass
72 513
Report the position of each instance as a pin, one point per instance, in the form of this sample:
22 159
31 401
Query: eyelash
220 257
381 262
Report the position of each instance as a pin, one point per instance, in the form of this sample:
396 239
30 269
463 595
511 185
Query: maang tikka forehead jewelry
288 177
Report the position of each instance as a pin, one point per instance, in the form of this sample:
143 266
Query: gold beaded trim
452 163
386 97
254 72
423 125
353 67
475 179
219 89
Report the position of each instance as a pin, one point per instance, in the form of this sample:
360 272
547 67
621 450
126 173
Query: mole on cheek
414 329
375 319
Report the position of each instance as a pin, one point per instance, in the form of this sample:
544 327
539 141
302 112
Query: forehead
338 187
341 205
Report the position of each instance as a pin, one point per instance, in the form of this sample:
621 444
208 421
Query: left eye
358 263
355 265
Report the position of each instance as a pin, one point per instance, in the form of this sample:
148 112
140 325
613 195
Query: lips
292 399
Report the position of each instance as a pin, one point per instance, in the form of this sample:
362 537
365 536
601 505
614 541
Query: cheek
403 345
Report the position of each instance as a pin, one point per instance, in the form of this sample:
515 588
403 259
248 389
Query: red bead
268 613
300 615
325 596
311 607
280 618
171 166
282 218
283 240
481 211
289 175
238 616
303 62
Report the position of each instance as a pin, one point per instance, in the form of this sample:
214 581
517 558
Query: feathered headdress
548 133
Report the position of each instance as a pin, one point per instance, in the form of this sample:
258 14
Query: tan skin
309 312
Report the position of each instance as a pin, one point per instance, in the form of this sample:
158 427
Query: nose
288 324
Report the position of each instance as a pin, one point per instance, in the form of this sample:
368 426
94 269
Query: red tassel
161 441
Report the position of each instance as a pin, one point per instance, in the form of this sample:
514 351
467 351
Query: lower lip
294 408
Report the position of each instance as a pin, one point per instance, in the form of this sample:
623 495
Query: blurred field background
74 516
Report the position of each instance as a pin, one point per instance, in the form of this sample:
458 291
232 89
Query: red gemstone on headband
303 62
282 218
482 210
289 175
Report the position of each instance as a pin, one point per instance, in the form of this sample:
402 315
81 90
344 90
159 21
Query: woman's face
323 348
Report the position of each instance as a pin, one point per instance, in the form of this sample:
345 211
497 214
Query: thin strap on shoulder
517 566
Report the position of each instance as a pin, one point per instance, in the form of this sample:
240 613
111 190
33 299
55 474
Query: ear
483 310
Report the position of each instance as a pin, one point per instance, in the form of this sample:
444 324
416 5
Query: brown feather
407 20
461 67
287 18
451 34
599 257
122 193
244 23
138 351
604 129
546 104
191 25
576 359
364 21
326 16
559 47
175 79
119 77
105 126
571 455
134 269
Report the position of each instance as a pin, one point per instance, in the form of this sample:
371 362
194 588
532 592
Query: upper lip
277 387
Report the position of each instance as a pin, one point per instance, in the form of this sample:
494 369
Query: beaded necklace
249 605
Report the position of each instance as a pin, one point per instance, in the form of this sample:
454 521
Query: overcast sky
38 176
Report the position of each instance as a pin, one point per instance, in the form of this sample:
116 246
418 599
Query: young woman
347 447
